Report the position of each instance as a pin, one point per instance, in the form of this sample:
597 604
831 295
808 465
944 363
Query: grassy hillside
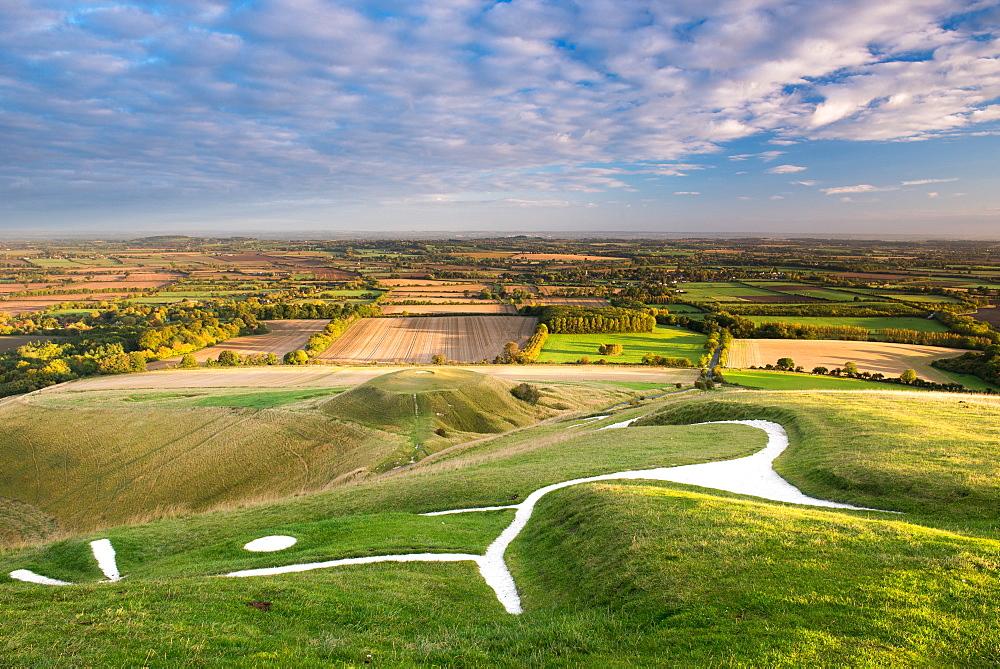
436 408
105 466
612 574
929 454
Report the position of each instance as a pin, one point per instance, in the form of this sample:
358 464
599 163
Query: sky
862 117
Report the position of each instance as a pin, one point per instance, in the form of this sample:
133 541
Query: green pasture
719 291
871 323
615 573
678 308
665 341
792 381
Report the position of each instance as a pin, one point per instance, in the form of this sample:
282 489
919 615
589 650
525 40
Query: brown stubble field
284 336
460 338
889 359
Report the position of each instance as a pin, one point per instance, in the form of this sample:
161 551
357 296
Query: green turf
666 341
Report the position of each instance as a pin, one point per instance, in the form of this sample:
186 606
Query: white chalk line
752 475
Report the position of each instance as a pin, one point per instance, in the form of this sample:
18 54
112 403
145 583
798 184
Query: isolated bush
526 392
299 357
610 349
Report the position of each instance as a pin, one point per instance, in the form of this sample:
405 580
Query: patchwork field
284 336
570 301
461 338
888 359
666 341
488 308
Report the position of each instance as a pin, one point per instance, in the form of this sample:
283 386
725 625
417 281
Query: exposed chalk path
752 475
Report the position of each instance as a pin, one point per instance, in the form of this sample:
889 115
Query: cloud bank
359 101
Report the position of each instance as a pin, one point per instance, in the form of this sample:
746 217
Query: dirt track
285 336
461 338
331 376
889 359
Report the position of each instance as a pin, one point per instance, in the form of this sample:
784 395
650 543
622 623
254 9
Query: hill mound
423 403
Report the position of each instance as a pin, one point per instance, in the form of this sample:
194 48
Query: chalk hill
420 401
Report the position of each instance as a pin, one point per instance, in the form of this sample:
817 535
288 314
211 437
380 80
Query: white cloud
686 192
786 169
807 182
777 197
920 182
860 188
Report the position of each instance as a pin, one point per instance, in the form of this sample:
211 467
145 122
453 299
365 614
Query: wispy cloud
786 169
868 188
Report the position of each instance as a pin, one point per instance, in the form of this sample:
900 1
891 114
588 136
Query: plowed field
889 359
461 338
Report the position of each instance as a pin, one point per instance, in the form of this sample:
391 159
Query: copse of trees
588 320
985 365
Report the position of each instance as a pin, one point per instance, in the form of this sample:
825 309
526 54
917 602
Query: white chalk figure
104 553
752 475
275 542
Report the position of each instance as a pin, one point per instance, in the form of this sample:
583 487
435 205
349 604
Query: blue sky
812 116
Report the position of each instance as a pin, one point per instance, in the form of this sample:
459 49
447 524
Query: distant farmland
461 338
487 308
284 336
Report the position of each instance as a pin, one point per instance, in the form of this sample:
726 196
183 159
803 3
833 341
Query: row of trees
586 320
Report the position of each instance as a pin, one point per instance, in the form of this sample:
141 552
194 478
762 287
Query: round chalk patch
277 542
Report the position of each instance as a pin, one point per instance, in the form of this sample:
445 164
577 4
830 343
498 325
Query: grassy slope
104 466
666 341
932 455
612 575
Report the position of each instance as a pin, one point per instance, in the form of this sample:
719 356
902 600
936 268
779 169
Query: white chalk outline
103 552
752 475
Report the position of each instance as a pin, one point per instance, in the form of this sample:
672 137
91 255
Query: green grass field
616 573
719 291
870 323
665 341
791 381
